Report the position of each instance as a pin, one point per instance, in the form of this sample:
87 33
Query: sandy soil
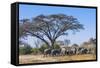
24 59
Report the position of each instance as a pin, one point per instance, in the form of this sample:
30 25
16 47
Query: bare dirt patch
24 59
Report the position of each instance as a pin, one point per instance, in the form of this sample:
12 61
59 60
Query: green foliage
35 50
21 50
25 50
43 47
56 46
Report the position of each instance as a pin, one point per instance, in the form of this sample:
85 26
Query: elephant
47 52
55 52
63 51
83 50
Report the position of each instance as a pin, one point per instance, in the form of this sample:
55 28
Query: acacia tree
49 27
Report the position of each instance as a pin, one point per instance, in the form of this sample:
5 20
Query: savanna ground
24 59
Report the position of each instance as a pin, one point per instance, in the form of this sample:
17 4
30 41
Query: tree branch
39 37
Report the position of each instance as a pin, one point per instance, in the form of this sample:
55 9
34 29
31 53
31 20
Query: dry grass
24 59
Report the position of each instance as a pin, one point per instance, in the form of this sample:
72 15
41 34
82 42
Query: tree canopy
49 26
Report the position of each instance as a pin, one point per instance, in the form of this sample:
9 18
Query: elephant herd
67 51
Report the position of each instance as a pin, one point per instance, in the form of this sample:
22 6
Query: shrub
56 46
25 50
43 47
35 50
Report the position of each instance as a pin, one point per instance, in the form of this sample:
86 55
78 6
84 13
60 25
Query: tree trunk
52 44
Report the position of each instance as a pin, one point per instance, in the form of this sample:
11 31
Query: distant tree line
27 49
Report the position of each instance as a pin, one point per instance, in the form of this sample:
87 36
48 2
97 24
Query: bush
25 50
43 47
35 50
56 46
